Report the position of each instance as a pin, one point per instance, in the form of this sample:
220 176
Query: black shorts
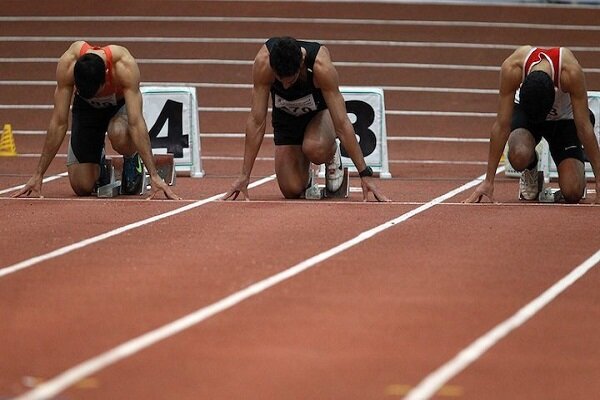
561 135
88 130
288 129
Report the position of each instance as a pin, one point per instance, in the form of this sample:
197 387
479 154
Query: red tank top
110 93
537 55
562 108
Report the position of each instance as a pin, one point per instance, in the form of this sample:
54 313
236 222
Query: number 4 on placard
175 141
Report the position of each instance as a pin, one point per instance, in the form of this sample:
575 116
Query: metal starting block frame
318 192
165 167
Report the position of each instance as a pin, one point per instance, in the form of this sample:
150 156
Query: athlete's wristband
368 171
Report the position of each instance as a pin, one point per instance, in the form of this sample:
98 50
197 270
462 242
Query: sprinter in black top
309 112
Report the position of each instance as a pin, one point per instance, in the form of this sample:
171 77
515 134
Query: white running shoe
529 185
334 171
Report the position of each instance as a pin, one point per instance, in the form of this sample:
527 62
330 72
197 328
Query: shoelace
530 177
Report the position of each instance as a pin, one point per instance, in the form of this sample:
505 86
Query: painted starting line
424 390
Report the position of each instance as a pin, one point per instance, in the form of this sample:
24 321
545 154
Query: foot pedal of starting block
344 189
314 191
550 195
165 166
110 190
540 185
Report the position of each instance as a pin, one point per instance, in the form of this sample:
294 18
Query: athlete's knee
292 190
82 189
572 192
82 180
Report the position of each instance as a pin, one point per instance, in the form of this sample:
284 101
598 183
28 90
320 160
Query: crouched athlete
107 100
309 112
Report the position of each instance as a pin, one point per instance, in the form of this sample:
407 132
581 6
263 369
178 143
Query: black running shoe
133 171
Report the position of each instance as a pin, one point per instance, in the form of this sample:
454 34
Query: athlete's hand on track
368 185
159 185
484 189
239 186
33 187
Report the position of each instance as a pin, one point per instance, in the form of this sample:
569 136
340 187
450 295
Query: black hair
536 95
89 74
285 56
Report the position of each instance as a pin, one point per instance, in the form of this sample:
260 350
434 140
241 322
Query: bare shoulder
126 70
66 63
572 77
517 58
121 54
323 60
511 71
569 61
261 70
325 74
72 52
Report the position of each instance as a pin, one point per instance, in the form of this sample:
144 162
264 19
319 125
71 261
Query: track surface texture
420 298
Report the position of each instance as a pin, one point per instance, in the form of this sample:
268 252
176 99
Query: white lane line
434 381
61 382
295 20
45 180
95 239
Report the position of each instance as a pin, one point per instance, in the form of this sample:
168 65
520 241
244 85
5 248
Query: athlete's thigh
320 128
291 168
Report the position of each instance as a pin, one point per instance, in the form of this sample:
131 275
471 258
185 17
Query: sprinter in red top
104 83
543 94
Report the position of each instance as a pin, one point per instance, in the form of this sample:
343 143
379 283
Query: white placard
366 110
171 114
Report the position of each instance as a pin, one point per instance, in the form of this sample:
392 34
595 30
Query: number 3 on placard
365 115
175 141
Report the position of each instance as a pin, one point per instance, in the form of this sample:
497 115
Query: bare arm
128 76
573 81
262 78
326 78
59 121
510 79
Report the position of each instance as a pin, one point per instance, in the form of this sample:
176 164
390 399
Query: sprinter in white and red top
104 84
543 94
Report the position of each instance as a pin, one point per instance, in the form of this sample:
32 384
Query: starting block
552 195
165 167
318 192
344 189
109 190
